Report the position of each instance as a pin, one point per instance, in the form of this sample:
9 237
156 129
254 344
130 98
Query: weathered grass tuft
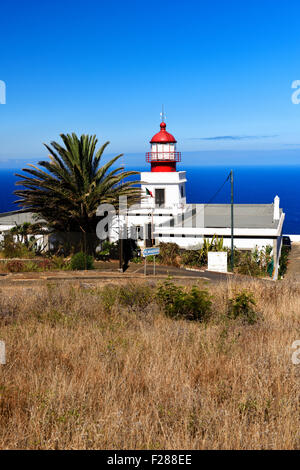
85 373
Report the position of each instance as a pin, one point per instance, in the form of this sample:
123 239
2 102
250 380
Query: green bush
135 295
81 261
256 263
242 306
168 254
193 258
130 295
191 305
107 250
15 249
283 261
248 265
31 266
58 262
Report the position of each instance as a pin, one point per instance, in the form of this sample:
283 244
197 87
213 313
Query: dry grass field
85 371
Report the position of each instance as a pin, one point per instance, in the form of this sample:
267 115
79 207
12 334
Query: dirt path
293 269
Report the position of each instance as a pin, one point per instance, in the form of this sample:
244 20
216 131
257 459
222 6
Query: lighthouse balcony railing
163 157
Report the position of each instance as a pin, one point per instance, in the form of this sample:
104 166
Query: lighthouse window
159 197
181 190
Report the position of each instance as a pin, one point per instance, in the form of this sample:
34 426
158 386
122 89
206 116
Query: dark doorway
148 235
160 197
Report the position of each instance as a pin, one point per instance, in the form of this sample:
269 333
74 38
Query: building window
181 190
139 233
160 197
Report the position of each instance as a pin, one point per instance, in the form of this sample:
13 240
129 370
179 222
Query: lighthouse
163 186
163 156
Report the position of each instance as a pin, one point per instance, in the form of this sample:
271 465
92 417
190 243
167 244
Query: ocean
251 185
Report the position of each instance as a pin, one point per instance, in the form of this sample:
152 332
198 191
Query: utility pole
121 242
232 222
121 228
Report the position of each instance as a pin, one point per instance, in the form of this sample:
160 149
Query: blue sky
223 70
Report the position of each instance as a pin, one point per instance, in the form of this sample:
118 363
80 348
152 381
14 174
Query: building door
159 197
148 235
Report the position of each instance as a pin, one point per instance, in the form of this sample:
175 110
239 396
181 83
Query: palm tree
67 190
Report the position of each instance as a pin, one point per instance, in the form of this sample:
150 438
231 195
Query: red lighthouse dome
163 156
163 137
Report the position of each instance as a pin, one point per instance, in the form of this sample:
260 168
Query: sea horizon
252 185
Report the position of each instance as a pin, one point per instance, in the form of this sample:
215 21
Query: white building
165 216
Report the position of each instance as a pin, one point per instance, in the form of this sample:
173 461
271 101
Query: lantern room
163 156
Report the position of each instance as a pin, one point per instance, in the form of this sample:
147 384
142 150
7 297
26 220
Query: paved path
134 272
176 272
293 269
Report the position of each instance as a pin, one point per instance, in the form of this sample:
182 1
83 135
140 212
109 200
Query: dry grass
81 375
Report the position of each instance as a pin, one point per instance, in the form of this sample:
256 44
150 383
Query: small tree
242 306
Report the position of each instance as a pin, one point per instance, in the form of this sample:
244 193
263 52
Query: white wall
169 181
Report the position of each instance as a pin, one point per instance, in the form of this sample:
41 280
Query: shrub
45 264
283 261
105 252
150 259
255 263
169 253
58 262
81 261
130 295
137 259
192 258
31 266
242 306
135 295
15 249
15 266
109 250
190 305
248 265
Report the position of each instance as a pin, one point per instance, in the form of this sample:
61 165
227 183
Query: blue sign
150 251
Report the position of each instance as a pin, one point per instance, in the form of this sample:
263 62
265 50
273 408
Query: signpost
150 252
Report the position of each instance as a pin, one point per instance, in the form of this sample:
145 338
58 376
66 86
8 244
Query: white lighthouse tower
163 186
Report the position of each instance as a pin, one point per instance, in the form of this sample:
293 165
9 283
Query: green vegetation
15 248
257 263
33 265
108 250
169 254
283 261
194 304
81 261
242 306
68 189
131 295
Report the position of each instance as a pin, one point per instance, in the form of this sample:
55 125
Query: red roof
163 137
